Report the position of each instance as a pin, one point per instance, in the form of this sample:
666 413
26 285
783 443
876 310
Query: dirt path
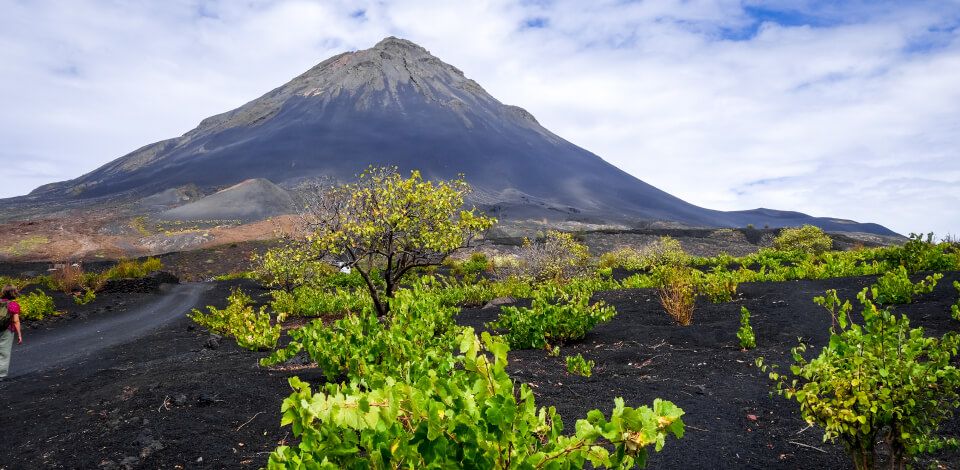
47 349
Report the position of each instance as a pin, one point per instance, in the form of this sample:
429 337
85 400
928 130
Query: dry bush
69 277
557 256
678 295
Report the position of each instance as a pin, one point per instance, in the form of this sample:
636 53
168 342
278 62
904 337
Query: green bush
476 264
127 269
745 334
235 275
554 318
468 416
919 254
85 298
806 239
290 265
664 252
251 329
718 286
360 347
955 308
17 282
894 287
36 305
879 380
577 365
308 301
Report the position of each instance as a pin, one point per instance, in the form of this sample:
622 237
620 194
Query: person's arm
16 328
14 309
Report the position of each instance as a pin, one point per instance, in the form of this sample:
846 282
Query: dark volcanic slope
396 104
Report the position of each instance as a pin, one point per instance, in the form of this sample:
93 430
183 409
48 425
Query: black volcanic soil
168 401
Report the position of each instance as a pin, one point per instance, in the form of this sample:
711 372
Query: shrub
251 329
677 294
666 251
806 239
360 347
881 379
307 301
894 287
36 305
235 276
579 366
126 269
557 256
555 317
17 282
718 286
289 265
476 264
469 416
623 257
85 298
919 254
955 308
68 278
745 333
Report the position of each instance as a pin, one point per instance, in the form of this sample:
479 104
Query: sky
842 109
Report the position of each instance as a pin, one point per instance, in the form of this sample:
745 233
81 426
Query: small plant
894 287
235 276
745 334
881 380
807 239
677 294
955 308
719 286
476 264
251 329
577 365
87 297
36 305
555 317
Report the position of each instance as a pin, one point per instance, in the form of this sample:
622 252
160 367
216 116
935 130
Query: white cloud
848 111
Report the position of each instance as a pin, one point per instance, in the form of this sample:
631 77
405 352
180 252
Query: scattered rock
499 301
129 462
206 400
301 359
180 400
213 342
108 464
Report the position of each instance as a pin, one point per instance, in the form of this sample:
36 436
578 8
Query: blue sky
845 109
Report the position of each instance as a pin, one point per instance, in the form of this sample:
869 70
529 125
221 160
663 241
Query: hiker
9 325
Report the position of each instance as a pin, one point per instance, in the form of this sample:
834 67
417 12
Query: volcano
397 105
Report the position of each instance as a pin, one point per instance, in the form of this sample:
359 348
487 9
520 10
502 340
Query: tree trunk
863 454
383 308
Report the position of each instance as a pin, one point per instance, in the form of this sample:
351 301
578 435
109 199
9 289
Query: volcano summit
396 104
